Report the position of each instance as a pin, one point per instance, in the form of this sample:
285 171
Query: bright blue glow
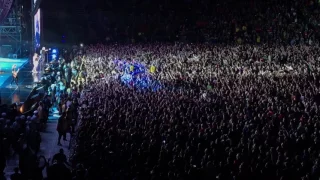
54 51
135 75
6 65
54 56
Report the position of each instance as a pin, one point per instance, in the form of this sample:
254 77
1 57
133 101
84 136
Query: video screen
34 3
37 29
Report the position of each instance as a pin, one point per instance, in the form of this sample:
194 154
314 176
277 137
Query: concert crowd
225 112
244 107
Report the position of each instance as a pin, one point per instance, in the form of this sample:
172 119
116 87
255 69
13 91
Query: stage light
81 45
54 51
54 56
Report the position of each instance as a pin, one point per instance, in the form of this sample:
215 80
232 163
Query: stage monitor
37 29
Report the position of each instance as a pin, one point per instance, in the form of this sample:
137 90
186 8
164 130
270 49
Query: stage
6 65
11 94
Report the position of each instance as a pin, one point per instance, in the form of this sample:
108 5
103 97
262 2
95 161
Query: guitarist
14 74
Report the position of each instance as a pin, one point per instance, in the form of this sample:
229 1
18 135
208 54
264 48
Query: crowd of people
20 130
20 134
244 106
224 112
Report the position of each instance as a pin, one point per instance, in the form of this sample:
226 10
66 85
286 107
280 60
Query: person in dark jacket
62 128
16 175
58 171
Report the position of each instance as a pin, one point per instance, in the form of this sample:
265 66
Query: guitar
15 74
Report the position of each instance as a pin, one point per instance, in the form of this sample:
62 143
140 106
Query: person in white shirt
35 60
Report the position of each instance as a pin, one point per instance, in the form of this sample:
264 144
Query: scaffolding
10 34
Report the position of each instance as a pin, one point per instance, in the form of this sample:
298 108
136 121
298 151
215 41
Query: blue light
54 51
54 56
135 75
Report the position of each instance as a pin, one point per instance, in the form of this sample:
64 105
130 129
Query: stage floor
11 94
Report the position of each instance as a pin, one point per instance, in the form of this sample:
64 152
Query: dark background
72 21
62 21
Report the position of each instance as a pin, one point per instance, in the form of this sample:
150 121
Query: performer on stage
14 74
43 51
35 63
42 59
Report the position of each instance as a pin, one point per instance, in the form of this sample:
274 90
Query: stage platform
6 65
11 94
